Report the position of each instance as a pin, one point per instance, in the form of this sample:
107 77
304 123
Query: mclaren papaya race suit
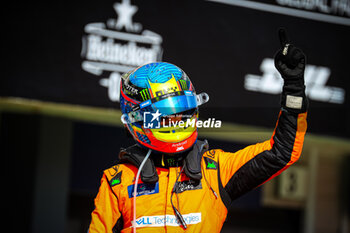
192 191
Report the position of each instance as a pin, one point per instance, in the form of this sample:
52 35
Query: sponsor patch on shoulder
210 164
211 154
143 189
117 179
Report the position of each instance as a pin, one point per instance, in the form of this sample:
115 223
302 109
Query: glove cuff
293 97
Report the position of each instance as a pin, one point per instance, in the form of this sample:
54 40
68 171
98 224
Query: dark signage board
75 53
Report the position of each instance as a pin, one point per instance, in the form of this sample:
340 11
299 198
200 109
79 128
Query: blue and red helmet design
154 98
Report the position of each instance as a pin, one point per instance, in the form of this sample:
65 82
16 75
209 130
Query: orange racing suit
204 202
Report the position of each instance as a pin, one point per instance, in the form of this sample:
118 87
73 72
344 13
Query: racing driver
170 181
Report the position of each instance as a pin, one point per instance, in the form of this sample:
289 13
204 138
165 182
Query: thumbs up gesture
289 60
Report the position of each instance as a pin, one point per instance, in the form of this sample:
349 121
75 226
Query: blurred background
60 119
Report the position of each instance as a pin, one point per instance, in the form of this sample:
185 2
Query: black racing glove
290 62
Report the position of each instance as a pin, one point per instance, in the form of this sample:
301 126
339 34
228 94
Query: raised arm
246 169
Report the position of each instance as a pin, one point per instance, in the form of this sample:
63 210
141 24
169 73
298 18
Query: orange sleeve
231 162
106 215
250 167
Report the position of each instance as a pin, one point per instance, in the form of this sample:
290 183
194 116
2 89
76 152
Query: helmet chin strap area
135 187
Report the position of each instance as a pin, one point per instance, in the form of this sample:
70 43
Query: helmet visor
165 105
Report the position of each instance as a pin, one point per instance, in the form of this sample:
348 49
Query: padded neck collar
191 160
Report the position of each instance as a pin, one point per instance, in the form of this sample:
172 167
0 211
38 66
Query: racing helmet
160 107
